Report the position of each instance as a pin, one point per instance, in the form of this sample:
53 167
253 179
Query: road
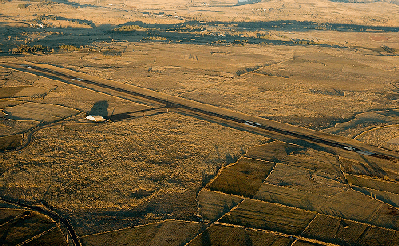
275 130
284 132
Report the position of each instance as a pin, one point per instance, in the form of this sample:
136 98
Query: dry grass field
147 172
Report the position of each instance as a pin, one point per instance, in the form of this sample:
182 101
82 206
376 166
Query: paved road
269 128
284 132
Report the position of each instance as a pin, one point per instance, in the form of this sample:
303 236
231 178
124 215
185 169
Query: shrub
23 5
388 49
129 28
30 49
157 38
68 47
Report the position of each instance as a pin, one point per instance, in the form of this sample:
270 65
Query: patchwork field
152 170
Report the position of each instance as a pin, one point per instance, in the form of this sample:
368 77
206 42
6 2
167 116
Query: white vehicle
365 152
253 124
248 123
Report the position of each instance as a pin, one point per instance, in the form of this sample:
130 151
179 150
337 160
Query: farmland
172 160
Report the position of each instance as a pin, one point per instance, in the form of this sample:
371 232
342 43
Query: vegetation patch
52 237
226 235
163 233
10 91
130 28
30 49
268 216
387 49
242 178
247 70
25 227
10 142
377 184
275 151
46 17
335 230
23 5
379 236
305 42
68 47
111 52
40 112
212 205
156 38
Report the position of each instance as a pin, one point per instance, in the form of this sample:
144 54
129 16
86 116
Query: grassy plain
326 65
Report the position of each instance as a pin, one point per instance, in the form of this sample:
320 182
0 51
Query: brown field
150 170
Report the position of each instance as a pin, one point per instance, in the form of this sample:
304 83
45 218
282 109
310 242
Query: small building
95 118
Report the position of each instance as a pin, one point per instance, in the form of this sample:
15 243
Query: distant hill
248 1
363 1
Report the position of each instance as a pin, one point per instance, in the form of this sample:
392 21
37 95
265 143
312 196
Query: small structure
95 118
